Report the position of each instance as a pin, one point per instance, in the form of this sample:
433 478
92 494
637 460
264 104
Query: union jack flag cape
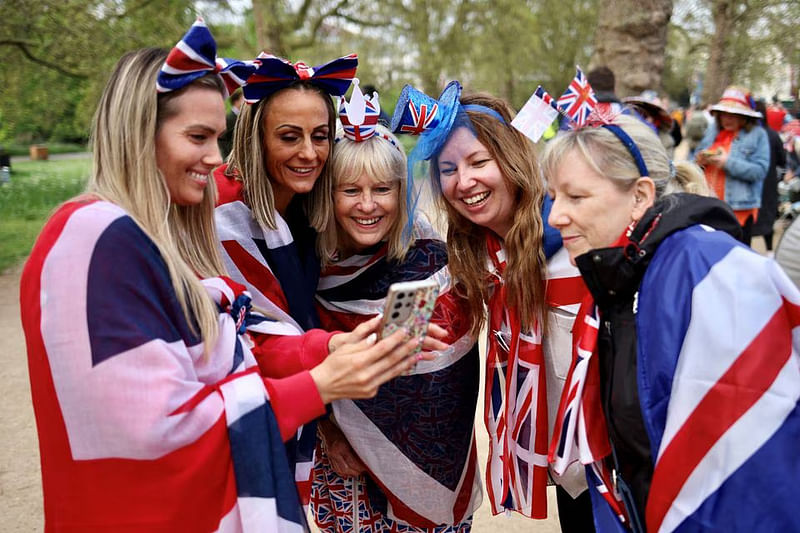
139 427
516 410
718 376
273 264
416 437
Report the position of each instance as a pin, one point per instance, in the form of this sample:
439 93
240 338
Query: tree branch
23 47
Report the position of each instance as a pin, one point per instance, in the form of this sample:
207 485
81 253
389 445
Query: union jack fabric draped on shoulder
719 388
416 437
578 100
271 265
141 427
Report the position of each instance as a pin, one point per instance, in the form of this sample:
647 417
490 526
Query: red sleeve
280 356
229 189
295 401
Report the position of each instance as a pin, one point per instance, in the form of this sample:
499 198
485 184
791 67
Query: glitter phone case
409 304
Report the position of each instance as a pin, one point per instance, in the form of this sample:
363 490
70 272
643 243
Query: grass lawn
35 189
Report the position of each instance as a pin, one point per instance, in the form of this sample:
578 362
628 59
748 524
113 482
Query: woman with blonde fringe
151 412
404 461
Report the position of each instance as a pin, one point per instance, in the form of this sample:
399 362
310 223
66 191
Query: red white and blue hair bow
274 73
194 56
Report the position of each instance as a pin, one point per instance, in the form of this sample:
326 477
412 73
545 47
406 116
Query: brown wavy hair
526 266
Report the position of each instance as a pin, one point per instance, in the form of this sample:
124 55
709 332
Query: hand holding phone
409 304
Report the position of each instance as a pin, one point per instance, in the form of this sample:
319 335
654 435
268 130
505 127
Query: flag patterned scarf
719 386
516 403
416 436
273 264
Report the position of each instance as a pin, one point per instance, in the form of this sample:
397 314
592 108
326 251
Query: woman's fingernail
420 357
372 338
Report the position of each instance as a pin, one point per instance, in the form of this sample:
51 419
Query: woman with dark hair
735 156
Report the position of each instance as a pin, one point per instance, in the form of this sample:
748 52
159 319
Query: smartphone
409 304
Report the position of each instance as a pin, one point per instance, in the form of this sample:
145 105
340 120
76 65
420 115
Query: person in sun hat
502 256
651 109
404 461
734 154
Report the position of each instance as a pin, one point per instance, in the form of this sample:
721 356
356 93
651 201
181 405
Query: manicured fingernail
420 357
372 338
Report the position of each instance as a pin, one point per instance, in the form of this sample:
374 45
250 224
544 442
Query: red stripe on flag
256 274
565 291
737 390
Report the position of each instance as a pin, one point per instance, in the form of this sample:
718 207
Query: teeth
475 199
198 176
367 221
301 170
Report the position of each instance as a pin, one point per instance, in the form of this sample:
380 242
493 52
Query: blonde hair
247 162
383 161
605 154
125 173
526 265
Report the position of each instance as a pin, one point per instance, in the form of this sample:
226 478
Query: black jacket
613 276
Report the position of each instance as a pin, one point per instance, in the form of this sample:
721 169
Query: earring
630 228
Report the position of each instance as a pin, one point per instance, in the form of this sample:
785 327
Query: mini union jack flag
421 118
578 100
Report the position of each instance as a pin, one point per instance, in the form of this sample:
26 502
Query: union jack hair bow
274 73
194 56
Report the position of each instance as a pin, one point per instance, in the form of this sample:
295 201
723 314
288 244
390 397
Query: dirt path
20 481
20 476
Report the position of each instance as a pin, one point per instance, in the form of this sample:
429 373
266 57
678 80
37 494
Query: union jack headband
195 56
274 73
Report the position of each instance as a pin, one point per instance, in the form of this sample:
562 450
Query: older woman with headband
151 412
503 257
682 400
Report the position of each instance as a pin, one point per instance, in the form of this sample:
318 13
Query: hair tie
194 56
672 170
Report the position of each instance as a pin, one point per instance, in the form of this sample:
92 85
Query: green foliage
35 189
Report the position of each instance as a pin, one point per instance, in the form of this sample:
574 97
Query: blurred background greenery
56 55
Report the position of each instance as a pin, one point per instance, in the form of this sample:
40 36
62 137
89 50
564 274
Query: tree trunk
267 16
719 69
630 39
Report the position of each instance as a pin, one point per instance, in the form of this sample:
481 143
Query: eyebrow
203 127
296 127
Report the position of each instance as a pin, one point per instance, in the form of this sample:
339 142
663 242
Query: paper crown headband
274 73
194 56
359 117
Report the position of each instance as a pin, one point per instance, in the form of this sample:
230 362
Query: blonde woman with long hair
504 258
148 402
407 457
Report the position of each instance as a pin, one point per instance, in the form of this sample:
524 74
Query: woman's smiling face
473 183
